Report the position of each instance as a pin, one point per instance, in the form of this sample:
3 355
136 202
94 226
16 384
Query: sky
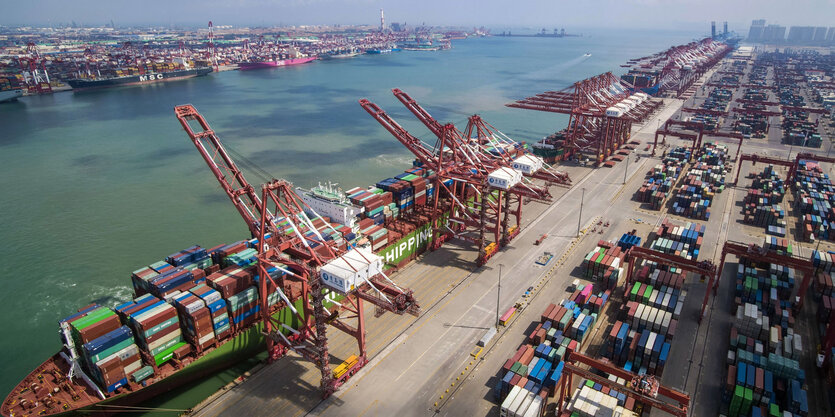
665 14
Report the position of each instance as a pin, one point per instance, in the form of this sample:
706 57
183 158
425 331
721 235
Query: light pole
498 296
625 169
580 219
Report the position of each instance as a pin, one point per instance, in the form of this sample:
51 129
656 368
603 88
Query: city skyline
536 13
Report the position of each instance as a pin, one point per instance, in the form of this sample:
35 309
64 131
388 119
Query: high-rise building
713 29
725 28
774 33
830 34
820 35
800 34
756 31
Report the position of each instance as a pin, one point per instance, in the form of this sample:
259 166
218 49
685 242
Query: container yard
492 277
83 60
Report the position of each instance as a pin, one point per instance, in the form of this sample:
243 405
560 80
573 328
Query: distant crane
34 70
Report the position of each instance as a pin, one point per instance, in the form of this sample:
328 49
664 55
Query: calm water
98 184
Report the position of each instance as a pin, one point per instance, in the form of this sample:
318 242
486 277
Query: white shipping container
133 367
614 112
526 403
650 344
350 270
504 178
511 397
520 397
527 164
535 409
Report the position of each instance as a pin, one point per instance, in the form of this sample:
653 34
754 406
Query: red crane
590 130
34 70
757 253
703 268
480 191
211 52
487 135
696 139
573 362
290 242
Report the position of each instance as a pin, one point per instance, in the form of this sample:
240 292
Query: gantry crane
696 140
576 362
482 135
757 253
481 191
592 128
34 70
705 269
289 242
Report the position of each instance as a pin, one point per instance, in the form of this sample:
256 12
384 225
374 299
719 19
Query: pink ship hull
272 64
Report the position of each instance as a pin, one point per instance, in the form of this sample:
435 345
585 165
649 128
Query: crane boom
414 144
230 177
419 112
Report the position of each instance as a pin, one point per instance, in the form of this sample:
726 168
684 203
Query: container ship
251 65
293 57
10 89
343 53
674 69
198 311
136 79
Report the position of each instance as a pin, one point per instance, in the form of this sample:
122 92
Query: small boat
587 55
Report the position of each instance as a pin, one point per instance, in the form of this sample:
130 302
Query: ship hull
10 95
82 84
247 66
244 345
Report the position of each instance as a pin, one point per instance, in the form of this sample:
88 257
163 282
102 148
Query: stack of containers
218 253
195 320
684 241
763 373
605 264
236 286
592 400
191 258
401 191
815 195
761 206
111 358
217 309
703 180
105 349
628 240
245 258
779 245
661 179
156 326
536 367
374 201
165 280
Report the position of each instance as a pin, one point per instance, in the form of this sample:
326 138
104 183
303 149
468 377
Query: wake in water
53 308
388 160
